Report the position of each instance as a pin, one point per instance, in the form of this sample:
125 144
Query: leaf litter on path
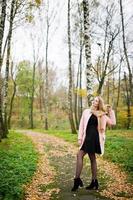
60 153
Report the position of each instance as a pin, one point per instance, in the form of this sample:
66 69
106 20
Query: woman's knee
80 154
92 157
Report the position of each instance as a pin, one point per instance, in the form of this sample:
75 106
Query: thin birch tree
35 46
128 100
46 71
51 14
13 78
2 27
7 66
78 106
70 91
126 54
87 42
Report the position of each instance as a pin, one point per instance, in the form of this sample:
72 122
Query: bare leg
79 164
92 157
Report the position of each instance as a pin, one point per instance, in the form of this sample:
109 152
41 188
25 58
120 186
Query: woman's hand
108 109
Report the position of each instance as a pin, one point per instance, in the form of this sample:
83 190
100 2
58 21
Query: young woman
91 138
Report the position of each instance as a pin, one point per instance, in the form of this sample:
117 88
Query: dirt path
55 172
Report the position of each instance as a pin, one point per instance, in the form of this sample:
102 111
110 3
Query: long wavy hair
101 105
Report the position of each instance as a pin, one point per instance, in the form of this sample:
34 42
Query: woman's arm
111 119
81 129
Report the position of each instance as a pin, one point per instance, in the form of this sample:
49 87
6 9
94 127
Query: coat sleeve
111 119
81 127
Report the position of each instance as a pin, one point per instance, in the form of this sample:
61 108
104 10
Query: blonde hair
101 105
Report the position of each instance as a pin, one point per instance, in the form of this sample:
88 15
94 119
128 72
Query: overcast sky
58 50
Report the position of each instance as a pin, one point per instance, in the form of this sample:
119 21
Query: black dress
91 143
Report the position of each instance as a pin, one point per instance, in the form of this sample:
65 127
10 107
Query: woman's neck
93 108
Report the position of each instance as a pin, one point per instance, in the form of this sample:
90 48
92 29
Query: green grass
18 161
118 146
119 149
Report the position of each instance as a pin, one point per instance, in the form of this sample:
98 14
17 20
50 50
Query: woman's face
95 102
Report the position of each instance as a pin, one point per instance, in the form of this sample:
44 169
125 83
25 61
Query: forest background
54 59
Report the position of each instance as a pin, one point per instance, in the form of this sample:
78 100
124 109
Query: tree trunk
46 79
12 99
78 97
76 101
89 72
2 28
113 92
73 129
108 90
7 67
32 97
80 105
4 50
119 87
80 84
101 82
126 56
41 101
41 91
128 103
118 91
105 42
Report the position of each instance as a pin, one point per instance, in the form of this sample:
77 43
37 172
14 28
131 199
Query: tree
7 66
119 88
24 78
32 96
47 20
2 27
127 97
126 55
80 105
35 60
12 97
41 88
46 71
110 31
70 92
77 44
87 42
15 9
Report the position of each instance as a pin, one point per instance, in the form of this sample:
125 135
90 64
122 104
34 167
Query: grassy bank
118 147
17 164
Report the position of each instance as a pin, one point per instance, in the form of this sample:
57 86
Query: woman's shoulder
86 110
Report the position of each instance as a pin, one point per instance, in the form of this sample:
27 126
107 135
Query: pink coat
105 120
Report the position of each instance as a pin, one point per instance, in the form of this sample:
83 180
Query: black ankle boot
77 182
93 185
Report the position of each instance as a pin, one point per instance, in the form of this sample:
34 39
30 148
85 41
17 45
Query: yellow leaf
38 2
29 18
